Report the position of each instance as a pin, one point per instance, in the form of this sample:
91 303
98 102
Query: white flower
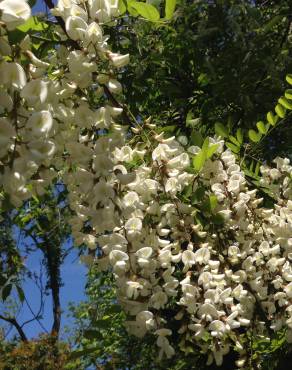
40 123
6 102
93 34
7 132
131 199
146 319
217 328
41 150
35 91
188 259
76 28
14 12
202 255
12 74
133 226
114 86
158 300
288 290
102 192
144 252
119 60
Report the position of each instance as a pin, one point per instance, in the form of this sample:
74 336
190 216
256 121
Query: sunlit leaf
147 11
169 8
280 110
254 136
272 118
289 79
285 103
235 149
261 127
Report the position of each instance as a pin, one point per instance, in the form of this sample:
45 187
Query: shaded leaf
221 130
239 135
6 291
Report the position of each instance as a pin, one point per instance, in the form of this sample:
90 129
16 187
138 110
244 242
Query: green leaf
234 140
271 23
92 334
199 161
235 149
169 8
196 138
221 130
147 11
213 202
288 94
285 103
289 79
20 293
257 169
200 158
280 110
191 121
254 136
131 9
116 308
211 150
122 7
6 291
198 195
77 354
261 127
205 145
33 24
103 323
217 219
239 135
272 119
16 36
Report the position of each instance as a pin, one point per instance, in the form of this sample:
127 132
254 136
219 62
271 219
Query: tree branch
13 321
53 265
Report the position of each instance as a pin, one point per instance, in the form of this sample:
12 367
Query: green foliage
169 8
146 10
43 353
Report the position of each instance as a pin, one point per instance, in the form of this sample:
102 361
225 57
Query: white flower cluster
48 122
193 253
222 273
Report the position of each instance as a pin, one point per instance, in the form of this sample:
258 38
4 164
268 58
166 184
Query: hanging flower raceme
200 244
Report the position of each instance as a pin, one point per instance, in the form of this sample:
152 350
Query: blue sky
73 275
40 6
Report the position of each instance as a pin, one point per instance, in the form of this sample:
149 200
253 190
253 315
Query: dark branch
13 321
53 260
116 104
